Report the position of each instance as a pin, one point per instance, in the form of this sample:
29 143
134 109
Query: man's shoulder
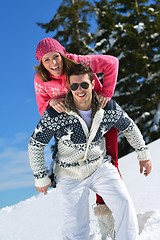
111 105
51 112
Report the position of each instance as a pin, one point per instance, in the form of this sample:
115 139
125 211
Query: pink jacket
106 64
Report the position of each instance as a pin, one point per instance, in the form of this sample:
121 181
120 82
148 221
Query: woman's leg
112 149
75 195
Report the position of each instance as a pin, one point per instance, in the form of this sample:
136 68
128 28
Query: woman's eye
46 60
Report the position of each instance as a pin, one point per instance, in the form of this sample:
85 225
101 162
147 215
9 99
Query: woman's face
53 63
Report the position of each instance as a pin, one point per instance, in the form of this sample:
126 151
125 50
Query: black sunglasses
83 85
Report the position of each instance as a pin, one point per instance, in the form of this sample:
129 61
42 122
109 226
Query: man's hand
145 167
43 189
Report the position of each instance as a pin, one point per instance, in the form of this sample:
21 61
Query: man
81 161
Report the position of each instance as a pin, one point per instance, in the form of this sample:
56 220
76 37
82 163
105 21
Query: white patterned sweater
80 151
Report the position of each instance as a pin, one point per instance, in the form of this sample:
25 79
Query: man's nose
79 87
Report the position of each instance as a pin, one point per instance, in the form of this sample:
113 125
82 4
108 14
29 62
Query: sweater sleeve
42 98
106 64
41 136
130 130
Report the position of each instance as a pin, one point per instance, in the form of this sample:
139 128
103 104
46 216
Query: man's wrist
42 182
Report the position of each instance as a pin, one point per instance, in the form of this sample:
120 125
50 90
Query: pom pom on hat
47 45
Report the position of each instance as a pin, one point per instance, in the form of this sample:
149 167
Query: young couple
79 123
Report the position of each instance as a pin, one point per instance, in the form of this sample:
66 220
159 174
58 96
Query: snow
40 217
140 27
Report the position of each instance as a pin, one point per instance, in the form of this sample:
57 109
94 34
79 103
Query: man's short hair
79 69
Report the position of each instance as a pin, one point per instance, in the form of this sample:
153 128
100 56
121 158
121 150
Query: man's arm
134 137
39 139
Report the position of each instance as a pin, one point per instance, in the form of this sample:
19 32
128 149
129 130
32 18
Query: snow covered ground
40 217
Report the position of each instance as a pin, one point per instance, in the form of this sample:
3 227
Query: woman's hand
57 104
103 100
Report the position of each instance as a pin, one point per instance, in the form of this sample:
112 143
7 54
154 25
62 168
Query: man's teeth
80 94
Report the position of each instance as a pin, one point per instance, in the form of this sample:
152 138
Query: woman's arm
106 64
42 98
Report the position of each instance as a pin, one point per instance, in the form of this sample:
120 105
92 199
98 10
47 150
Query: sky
19 115
40 217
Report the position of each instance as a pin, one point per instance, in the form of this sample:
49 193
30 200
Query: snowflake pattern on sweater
48 89
80 150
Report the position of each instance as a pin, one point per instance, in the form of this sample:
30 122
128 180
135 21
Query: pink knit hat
47 45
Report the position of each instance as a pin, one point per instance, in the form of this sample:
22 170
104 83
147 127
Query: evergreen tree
129 30
71 26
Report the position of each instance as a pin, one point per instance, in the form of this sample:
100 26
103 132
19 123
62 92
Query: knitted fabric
47 45
80 151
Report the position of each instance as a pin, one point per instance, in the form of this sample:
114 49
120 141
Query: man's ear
93 84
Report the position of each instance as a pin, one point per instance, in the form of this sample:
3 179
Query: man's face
81 88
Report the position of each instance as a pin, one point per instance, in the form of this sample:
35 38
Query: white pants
107 183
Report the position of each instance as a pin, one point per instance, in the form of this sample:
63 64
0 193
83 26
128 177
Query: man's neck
84 106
